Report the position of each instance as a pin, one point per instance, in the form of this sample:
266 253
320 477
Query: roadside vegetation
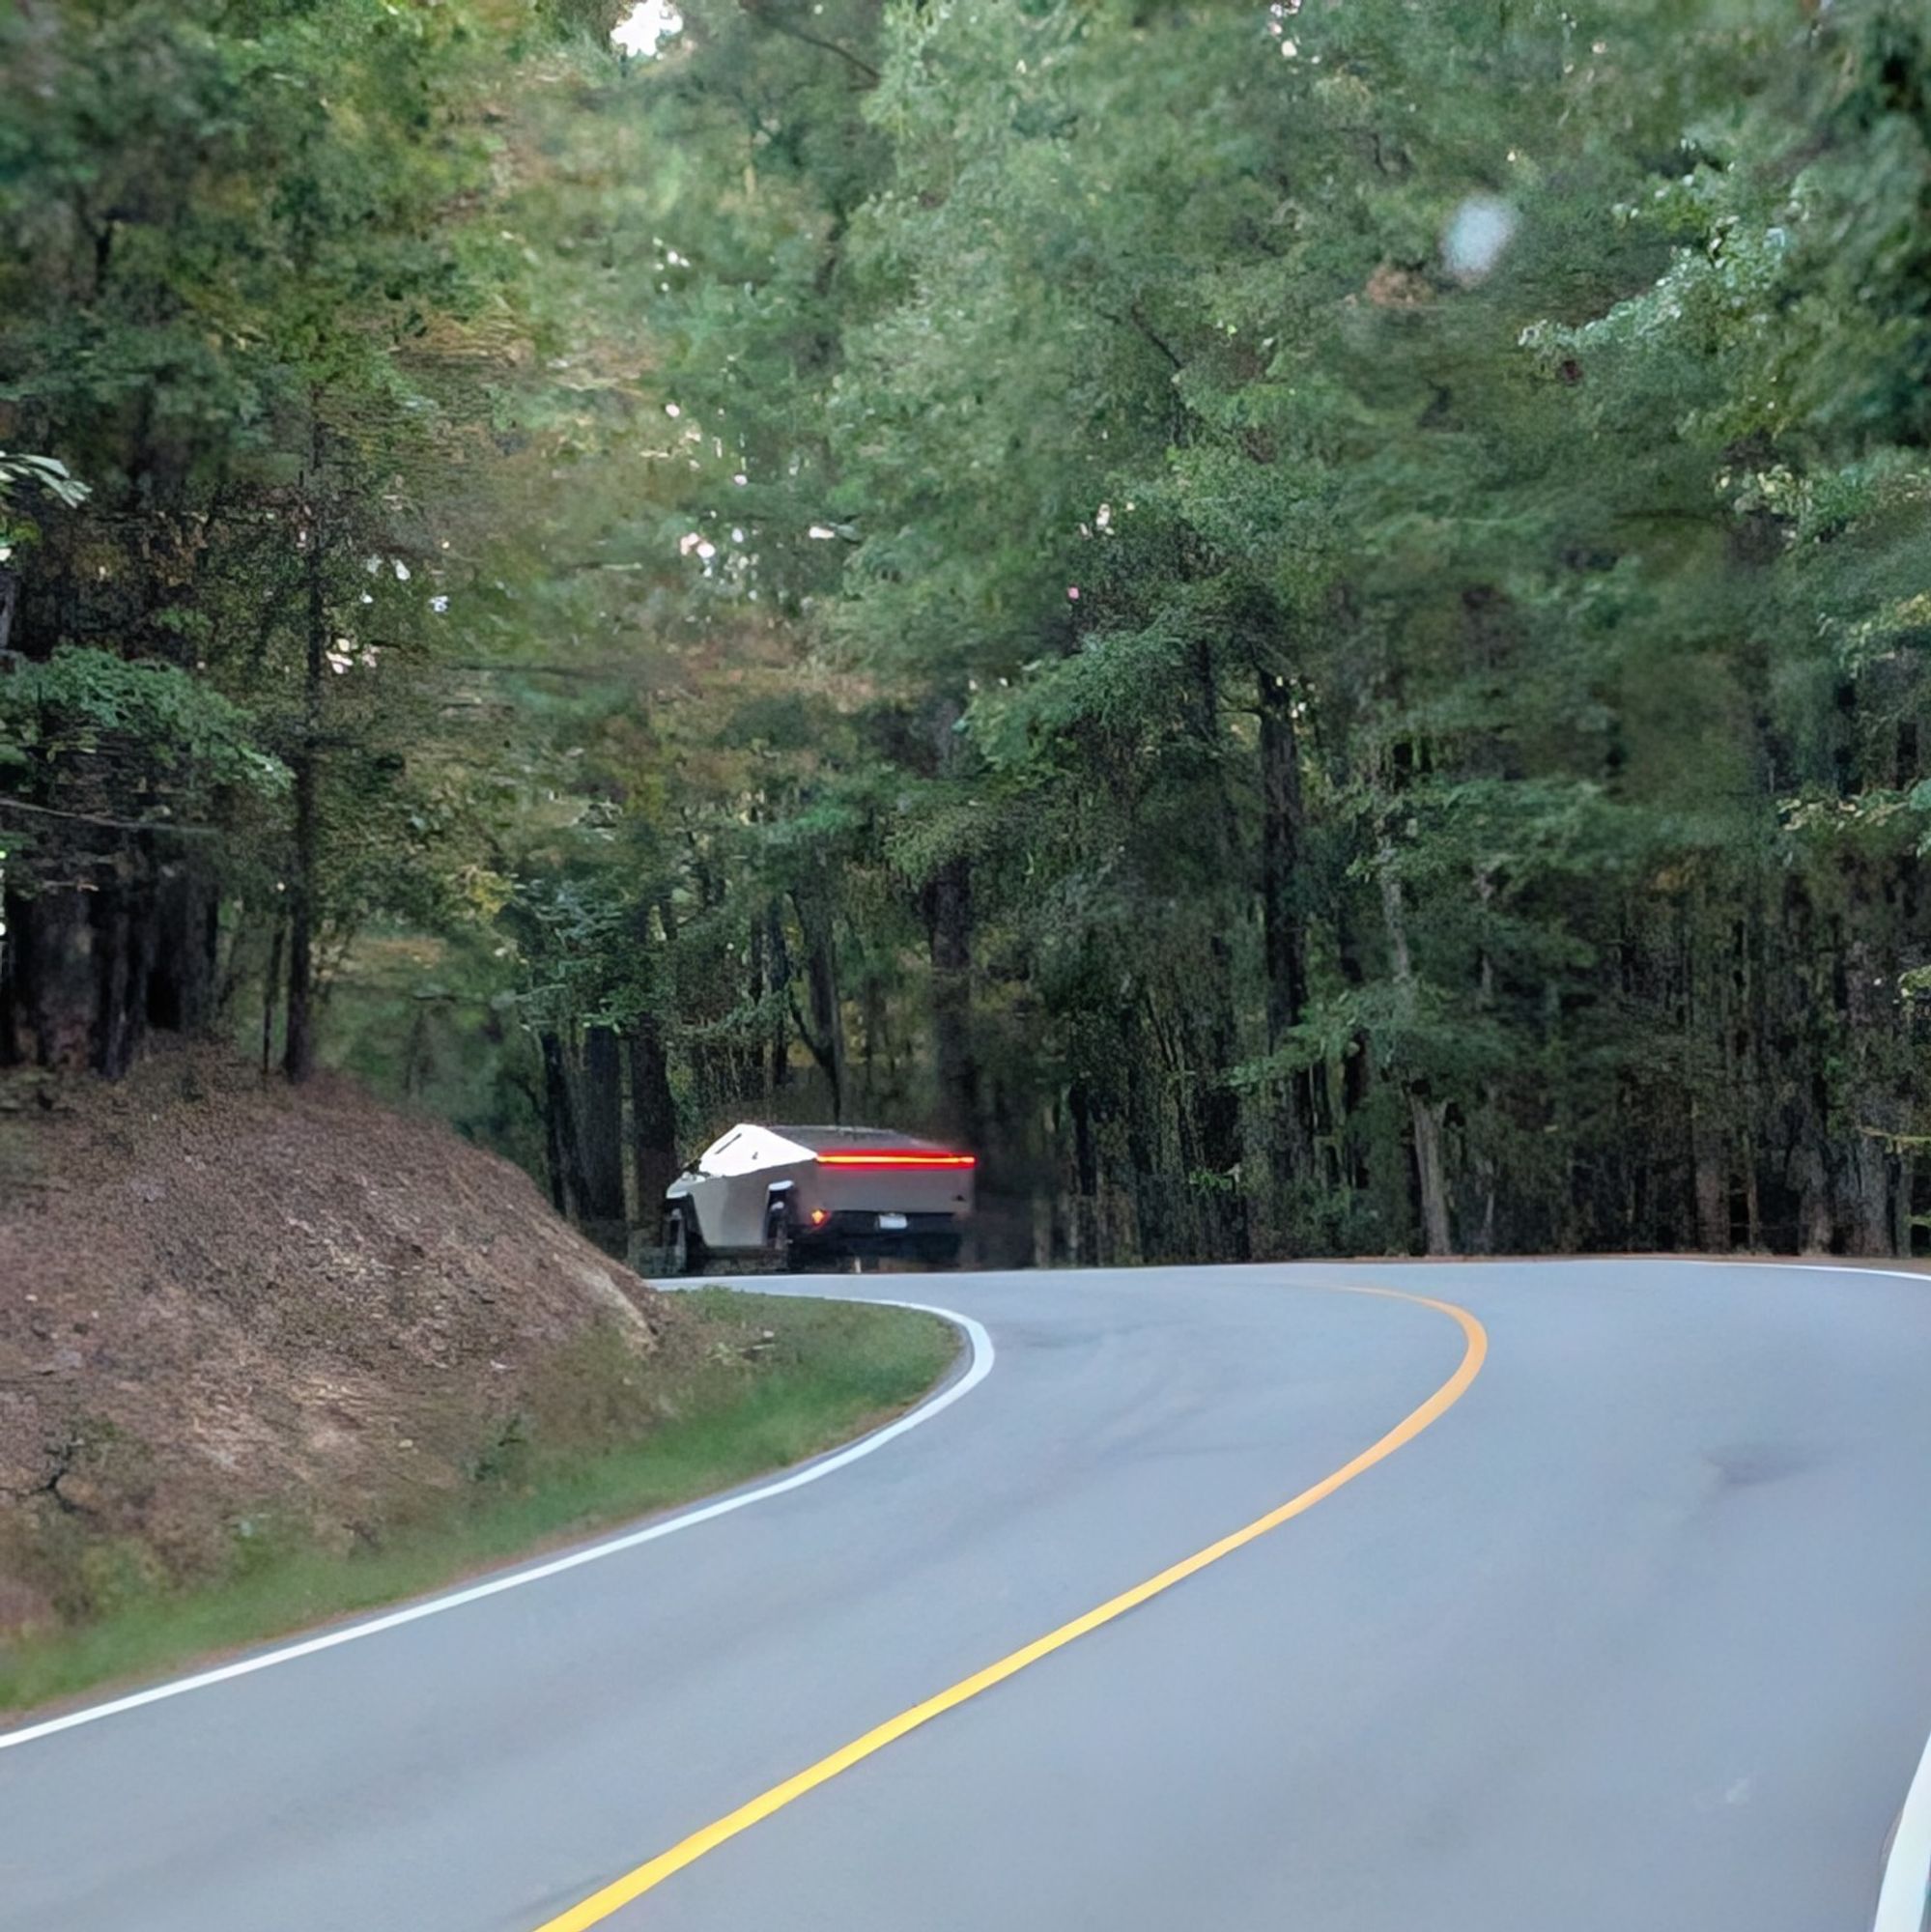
272 1353
775 1380
1307 623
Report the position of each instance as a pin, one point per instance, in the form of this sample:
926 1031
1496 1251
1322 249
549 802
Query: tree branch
820 1051
113 824
1138 322
756 11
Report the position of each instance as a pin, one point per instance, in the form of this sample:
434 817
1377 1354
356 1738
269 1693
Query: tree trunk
875 1030
1283 928
780 985
17 979
270 986
758 1078
1216 1108
12 979
1143 1144
1869 1216
299 1046
949 934
120 918
562 1146
1483 1162
827 1036
419 1055
949 931
56 967
1796 1052
299 1041
1297 1121
1813 1236
1209 1023
187 927
653 1119
601 1209
1712 1187
1356 1076
1426 1116
1880 1110
1084 1232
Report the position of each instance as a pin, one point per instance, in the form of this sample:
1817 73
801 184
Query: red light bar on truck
896 1157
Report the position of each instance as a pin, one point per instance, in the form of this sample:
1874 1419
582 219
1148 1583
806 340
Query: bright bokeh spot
648 25
1477 233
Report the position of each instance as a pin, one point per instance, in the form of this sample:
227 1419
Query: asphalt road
1635 1637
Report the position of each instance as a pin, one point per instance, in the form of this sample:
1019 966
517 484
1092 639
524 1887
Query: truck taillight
897 1157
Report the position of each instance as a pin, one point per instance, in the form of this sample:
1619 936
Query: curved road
1636 1635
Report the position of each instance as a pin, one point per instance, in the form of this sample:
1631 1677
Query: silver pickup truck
804 1197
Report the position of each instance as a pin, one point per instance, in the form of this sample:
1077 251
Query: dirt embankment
233 1313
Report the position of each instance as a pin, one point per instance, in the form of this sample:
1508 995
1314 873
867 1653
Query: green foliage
79 704
1328 600
25 477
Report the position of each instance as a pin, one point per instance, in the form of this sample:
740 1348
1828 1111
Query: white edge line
1904 1899
1907 1872
981 1367
1852 1268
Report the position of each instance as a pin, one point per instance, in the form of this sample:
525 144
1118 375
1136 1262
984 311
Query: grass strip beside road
834 1371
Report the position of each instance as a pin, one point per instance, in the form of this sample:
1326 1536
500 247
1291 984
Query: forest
1307 624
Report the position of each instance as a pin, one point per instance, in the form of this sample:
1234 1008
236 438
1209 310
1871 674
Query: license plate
892 1224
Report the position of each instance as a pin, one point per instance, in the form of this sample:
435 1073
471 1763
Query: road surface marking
1772 1263
976 1373
600 1905
1901 1905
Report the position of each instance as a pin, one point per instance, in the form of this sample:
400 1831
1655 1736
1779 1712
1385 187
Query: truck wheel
683 1245
778 1246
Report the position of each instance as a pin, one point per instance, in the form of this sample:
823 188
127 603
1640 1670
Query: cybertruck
809 1197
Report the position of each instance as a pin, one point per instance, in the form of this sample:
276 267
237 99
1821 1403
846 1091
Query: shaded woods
1306 623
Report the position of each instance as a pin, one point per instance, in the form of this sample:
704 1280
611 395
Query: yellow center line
619 1892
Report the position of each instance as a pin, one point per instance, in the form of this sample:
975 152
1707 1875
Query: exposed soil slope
229 1311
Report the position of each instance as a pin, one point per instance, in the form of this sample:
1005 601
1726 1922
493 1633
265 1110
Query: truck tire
683 1245
779 1247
